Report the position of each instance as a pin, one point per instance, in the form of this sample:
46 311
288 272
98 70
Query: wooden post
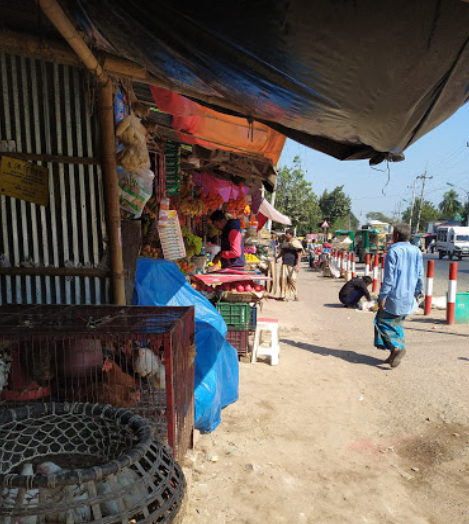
109 167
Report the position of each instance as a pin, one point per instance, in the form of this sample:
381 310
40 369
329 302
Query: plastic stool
270 325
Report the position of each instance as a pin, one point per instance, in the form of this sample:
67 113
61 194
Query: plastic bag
160 283
366 305
135 189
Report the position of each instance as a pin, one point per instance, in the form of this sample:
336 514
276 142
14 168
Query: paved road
441 274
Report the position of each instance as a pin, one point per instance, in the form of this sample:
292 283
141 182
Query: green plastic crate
461 311
235 315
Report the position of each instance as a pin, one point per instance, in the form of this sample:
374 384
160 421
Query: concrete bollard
383 263
354 274
374 289
452 286
367 265
429 287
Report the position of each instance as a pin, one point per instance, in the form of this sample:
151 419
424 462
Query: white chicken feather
147 364
125 478
58 495
5 366
30 499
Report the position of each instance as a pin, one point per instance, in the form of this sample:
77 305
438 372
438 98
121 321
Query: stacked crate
236 317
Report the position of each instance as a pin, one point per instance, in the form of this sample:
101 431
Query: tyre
450 256
440 255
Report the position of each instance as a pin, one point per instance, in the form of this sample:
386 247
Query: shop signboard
170 233
25 181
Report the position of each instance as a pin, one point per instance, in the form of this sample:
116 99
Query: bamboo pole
109 167
59 19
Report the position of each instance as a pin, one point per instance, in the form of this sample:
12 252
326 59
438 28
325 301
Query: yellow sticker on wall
25 181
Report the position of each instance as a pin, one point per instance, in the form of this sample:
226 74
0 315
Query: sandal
396 356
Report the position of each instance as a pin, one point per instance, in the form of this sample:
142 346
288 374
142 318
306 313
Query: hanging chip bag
135 189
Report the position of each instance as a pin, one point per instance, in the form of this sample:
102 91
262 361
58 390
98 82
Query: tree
376 215
349 222
296 199
465 213
450 206
429 214
335 204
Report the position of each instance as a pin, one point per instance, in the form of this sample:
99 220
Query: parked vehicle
369 242
453 242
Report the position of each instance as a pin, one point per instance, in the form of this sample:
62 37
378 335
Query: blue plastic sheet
160 283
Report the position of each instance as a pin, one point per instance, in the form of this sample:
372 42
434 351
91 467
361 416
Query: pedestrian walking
402 285
290 253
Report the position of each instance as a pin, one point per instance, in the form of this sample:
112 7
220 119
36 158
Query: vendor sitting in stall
354 290
232 244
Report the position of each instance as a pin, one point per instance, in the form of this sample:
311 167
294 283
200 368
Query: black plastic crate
252 318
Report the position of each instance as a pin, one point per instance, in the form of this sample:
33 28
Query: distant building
432 227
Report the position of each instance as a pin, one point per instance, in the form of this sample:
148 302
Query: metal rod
109 166
56 271
55 159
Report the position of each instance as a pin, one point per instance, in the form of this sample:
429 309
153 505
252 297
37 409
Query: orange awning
197 124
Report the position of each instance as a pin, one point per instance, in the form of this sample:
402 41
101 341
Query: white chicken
5 366
30 499
147 364
58 496
126 477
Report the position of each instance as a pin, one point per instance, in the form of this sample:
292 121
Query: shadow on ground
349 356
427 320
334 305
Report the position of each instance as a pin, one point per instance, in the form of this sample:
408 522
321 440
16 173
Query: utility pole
399 213
412 205
424 178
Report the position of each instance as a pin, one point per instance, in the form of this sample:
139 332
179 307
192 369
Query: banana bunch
192 207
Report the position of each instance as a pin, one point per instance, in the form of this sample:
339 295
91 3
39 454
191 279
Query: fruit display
185 266
192 206
150 252
193 243
212 201
250 258
238 206
242 287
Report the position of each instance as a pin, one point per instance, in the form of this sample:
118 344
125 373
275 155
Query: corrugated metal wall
45 109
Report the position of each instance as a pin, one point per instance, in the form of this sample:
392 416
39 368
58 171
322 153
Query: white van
453 241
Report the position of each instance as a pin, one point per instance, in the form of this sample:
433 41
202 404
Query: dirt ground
333 435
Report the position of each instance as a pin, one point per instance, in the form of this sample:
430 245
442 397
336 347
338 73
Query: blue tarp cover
160 283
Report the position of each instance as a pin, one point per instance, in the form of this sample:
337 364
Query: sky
443 153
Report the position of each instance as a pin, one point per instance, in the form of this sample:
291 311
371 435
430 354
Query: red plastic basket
239 339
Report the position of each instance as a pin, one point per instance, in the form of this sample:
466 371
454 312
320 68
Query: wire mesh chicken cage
139 358
77 463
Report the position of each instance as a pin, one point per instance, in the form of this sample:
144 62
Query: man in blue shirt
401 287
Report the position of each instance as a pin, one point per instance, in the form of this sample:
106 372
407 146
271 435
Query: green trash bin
461 314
